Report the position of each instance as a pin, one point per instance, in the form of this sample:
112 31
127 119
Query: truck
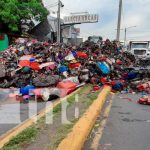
140 49
95 39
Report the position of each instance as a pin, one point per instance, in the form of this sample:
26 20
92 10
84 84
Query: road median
76 138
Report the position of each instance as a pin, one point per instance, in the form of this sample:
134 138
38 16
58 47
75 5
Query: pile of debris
43 69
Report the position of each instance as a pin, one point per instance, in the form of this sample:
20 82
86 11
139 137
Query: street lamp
125 36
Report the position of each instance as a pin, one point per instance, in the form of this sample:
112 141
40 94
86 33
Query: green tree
13 12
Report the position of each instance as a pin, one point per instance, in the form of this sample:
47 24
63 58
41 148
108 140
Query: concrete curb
76 138
5 138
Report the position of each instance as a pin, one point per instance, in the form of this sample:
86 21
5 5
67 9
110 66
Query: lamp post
119 21
125 35
59 21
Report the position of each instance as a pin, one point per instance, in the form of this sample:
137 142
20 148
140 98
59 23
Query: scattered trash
43 69
129 99
145 100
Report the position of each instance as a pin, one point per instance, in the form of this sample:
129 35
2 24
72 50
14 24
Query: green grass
71 99
91 97
30 134
64 130
60 135
26 136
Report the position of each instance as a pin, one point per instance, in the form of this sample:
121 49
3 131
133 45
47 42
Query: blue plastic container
104 67
132 75
63 69
74 53
25 90
118 86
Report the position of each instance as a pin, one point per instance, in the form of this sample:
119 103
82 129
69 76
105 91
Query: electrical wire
140 36
139 31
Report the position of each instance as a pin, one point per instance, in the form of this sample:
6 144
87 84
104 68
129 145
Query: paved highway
126 127
13 114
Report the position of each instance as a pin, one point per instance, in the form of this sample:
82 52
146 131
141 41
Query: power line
138 31
139 36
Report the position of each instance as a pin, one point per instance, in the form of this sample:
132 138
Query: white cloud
136 12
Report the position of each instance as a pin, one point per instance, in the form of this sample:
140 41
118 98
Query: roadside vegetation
30 135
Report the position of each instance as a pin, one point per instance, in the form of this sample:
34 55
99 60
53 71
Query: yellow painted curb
76 138
5 138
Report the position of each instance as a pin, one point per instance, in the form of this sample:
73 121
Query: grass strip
30 134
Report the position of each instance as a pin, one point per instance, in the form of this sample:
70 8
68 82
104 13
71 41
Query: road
124 125
12 113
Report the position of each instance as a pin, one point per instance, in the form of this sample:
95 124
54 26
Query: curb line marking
76 138
98 136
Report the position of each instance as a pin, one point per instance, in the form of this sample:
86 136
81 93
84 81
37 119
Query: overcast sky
135 13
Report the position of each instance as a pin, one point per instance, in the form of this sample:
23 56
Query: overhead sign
88 18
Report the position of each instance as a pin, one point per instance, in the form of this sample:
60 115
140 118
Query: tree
13 12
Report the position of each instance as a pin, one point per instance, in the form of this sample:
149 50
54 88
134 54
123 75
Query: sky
134 13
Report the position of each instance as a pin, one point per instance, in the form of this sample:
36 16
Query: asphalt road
127 126
12 115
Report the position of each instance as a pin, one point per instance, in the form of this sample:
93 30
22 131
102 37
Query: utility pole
125 36
58 22
119 20
125 33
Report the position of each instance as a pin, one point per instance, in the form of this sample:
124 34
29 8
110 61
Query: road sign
87 18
